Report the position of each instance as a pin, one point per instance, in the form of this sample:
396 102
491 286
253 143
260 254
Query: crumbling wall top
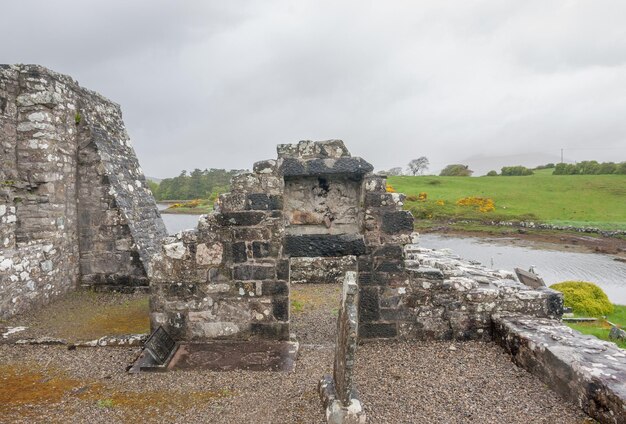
307 149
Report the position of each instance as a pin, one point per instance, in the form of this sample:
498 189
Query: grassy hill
580 200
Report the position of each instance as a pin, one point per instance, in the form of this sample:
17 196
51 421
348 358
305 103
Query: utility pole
561 155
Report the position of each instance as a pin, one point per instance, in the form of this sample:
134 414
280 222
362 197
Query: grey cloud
218 84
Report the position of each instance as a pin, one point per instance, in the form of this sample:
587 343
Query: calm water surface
554 266
177 222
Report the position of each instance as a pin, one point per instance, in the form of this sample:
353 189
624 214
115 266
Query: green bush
584 298
492 173
456 170
508 171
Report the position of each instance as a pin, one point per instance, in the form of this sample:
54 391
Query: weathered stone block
324 245
391 251
264 167
250 234
307 149
261 249
243 218
273 330
378 200
263 202
254 272
369 305
220 274
321 270
388 265
273 288
375 183
239 252
372 330
397 222
280 308
292 167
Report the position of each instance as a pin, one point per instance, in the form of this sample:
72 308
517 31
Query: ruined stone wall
65 158
309 217
450 298
227 278
230 277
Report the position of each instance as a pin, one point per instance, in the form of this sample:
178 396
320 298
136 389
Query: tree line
590 167
197 184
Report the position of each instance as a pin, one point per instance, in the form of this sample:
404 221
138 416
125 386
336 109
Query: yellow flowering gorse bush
484 204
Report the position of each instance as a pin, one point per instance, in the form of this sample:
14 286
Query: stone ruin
75 209
317 211
317 207
230 277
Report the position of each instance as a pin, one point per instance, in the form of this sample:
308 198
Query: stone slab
583 369
530 279
314 245
229 355
352 166
160 345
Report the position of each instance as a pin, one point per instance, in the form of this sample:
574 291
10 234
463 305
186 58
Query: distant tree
607 168
508 171
419 165
394 172
456 170
492 173
565 169
198 184
588 167
154 188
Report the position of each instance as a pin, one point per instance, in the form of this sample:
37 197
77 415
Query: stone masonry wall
309 216
67 171
230 277
449 298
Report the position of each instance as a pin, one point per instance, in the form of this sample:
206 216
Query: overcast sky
220 83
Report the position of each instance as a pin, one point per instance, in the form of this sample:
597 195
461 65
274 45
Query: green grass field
579 200
601 328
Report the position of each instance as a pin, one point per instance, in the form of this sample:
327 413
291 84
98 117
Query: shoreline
543 239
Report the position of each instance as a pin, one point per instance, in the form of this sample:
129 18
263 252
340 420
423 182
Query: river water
552 265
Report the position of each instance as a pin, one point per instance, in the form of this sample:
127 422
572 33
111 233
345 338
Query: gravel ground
399 382
427 382
316 322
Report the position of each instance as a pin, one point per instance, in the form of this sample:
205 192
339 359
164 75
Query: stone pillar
339 396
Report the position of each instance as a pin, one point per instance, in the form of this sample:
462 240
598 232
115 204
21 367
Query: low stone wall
589 372
74 205
442 297
545 226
